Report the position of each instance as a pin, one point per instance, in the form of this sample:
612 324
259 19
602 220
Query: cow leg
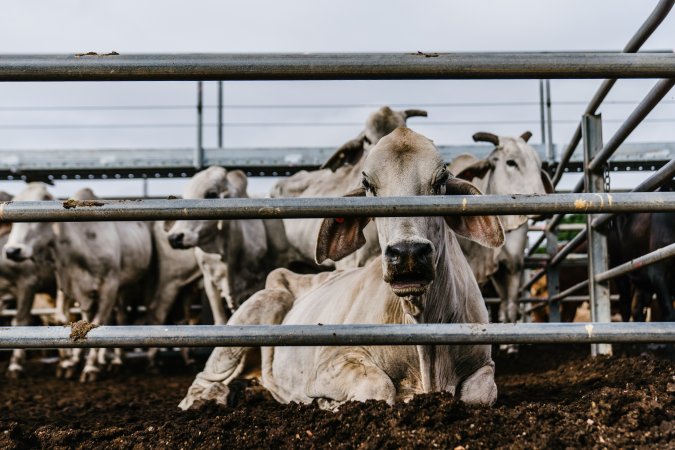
661 284
339 378
226 363
215 300
625 299
69 359
640 301
480 388
107 301
507 286
23 306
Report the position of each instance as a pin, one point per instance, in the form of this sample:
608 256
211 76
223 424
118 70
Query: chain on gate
606 177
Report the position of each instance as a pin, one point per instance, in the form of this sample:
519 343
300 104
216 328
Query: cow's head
214 182
513 167
28 239
405 163
379 124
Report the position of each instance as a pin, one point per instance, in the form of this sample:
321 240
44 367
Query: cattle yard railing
297 208
596 157
419 65
352 334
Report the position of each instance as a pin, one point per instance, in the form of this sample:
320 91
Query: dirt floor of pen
549 397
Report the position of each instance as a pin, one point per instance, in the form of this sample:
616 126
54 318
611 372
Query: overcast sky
309 26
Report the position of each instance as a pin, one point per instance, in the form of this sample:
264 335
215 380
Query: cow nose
176 240
414 252
13 253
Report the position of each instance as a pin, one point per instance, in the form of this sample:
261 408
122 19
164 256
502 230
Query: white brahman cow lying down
422 277
513 167
235 256
340 174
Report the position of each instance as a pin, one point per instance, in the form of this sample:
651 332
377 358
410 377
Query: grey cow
235 255
422 277
513 167
340 174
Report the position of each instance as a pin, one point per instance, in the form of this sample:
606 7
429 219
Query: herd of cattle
309 271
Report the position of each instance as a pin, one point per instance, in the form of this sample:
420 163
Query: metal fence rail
652 22
334 66
353 334
268 208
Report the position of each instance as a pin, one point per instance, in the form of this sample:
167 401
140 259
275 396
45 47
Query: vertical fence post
552 277
199 148
549 123
591 127
542 119
220 114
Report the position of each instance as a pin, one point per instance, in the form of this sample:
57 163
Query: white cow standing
100 265
235 256
20 282
422 277
513 167
340 174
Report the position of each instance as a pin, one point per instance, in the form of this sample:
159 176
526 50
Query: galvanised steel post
552 277
597 242
199 149
220 114
549 124
542 120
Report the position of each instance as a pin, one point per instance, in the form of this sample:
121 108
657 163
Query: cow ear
238 183
342 236
546 181
485 230
350 153
168 224
526 136
5 228
475 170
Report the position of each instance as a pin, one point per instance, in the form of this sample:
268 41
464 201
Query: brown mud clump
72 203
80 329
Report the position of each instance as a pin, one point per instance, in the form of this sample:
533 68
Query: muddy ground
549 397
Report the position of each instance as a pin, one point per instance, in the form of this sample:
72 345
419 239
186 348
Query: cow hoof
69 372
89 375
198 395
14 374
115 368
509 349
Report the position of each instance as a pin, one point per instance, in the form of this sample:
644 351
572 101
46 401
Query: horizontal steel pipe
663 175
637 263
653 97
269 208
334 66
652 22
303 335
569 291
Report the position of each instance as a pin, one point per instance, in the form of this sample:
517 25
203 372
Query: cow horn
526 136
414 113
483 136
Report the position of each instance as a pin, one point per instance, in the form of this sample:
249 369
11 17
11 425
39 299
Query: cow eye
511 163
211 194
368 187
437 187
